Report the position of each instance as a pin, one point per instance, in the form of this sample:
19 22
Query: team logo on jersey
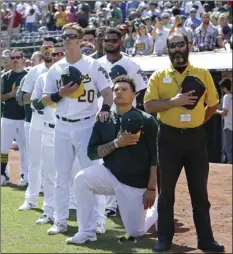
116 71
143 75
105 73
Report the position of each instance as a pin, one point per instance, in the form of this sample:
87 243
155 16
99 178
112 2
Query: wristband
105 107
151 188
55 97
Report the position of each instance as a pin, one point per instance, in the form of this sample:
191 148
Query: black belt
40 112
71 120
50 125
180 130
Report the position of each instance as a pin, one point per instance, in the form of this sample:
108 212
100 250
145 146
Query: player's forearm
153 177
107 96
158 106
5 97
26 98
209 112
106 149
46 100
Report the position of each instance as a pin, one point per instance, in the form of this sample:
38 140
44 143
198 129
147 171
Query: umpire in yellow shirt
185 98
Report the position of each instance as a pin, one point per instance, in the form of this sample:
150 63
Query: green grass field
20 234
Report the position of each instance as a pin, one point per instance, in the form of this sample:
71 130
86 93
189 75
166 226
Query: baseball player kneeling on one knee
127 144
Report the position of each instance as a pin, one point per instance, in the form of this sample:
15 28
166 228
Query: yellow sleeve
152 92
212 93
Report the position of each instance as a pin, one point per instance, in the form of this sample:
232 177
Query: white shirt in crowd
160 41
227 104
95 79
31 18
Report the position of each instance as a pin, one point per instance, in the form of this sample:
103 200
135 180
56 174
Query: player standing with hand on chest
76 109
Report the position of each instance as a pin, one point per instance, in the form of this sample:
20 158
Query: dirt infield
220 196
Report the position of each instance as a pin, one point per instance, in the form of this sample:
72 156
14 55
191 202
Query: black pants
177 149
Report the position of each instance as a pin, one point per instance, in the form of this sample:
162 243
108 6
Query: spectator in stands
179 26
122 6
194 4
89 35
131 6
148 22
87 48
214 19
224 27
206 35
71 12
166 20
129 38
175 12
116 13
144 42
206 7
50 17
153 9
192 22
160 35
60 17
143 8
31 14
17 18
83 14
226 112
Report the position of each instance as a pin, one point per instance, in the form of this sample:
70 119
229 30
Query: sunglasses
16 57
69 36
6 57
44 48
165 17
193 12
60 54
86 51
179 44
113 41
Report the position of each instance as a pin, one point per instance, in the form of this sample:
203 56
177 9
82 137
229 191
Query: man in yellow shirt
181 139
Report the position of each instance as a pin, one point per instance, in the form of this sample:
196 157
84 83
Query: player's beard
48 59
113 50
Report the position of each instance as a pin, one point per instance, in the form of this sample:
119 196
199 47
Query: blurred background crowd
145 25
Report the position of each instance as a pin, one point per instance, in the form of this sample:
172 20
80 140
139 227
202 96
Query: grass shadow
14 187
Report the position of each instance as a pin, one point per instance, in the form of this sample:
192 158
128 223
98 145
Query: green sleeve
95 141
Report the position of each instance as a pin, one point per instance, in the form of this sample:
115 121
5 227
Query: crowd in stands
145 25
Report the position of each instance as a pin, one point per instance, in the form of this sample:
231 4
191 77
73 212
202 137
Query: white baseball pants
10 130
71 139
99 180
35 165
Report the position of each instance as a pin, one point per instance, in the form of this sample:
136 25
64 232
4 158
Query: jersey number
87 96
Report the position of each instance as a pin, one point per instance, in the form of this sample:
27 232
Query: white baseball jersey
49 113
31 77
95 78
127 67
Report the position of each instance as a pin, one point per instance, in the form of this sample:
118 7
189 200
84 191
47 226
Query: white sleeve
102 78
38 89
138 75
30 80
226 102
50 83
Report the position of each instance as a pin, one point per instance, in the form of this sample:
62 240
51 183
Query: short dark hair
175 11
91 31
226 84
50 38
126 79
178 33
18 50
113 31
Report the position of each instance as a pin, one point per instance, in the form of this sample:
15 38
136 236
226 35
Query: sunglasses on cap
6 57
111 41
16 57
179 44
86 51
44 48
60 54
69 36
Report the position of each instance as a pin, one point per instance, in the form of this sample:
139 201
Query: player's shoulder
199 70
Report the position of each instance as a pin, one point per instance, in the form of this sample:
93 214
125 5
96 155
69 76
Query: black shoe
110 213
212 246
162 246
